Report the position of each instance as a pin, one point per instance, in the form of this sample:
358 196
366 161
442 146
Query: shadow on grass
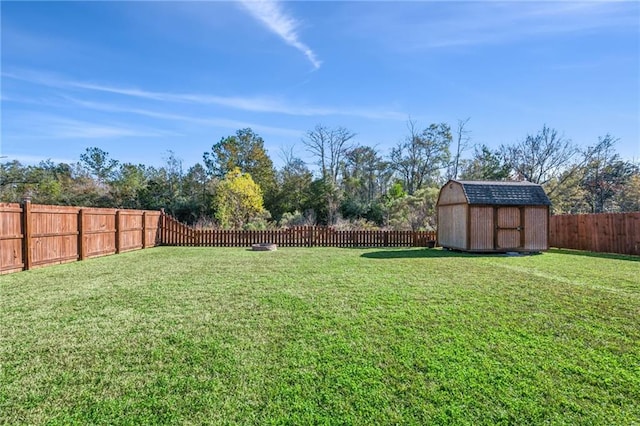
595 254
441 253
421 254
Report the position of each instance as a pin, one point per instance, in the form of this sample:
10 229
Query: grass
322 336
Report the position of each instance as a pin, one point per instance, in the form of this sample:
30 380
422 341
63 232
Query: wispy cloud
211 122
252 104
274 17
53 127
64 101
508 22
263 104
460 24
87 130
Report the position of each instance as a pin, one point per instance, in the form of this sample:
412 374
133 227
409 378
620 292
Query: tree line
237 185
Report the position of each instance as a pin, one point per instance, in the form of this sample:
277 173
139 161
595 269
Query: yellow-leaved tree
237 200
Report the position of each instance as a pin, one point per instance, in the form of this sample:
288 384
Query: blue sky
139 79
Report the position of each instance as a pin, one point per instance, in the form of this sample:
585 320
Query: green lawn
322 336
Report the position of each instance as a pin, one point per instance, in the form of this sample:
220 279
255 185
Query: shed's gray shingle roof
504 193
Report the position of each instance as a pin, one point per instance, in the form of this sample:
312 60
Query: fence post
162 224
82 250
144 230
117 231
26 233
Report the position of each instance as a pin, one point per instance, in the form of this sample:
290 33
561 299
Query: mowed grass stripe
322 336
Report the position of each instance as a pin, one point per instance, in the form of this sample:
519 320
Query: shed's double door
509 229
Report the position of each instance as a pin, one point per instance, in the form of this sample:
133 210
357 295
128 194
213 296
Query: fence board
602 232
11 236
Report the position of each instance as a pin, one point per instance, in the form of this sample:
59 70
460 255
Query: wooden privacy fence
33 235
38 235
602 232
174 233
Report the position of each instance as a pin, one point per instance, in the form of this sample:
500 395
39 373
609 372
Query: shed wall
452 193
536 228
452 226
482 231
481 228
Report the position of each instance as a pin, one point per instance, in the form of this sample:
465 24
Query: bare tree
420 157
287 155
329 146
605 175
462 143
554 162
542 157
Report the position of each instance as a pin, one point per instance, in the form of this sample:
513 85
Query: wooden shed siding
481 228
452 226
452 193
535 228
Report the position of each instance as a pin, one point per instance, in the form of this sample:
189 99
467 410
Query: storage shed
486 216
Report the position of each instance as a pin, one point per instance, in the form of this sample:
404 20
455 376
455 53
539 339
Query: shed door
508 228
